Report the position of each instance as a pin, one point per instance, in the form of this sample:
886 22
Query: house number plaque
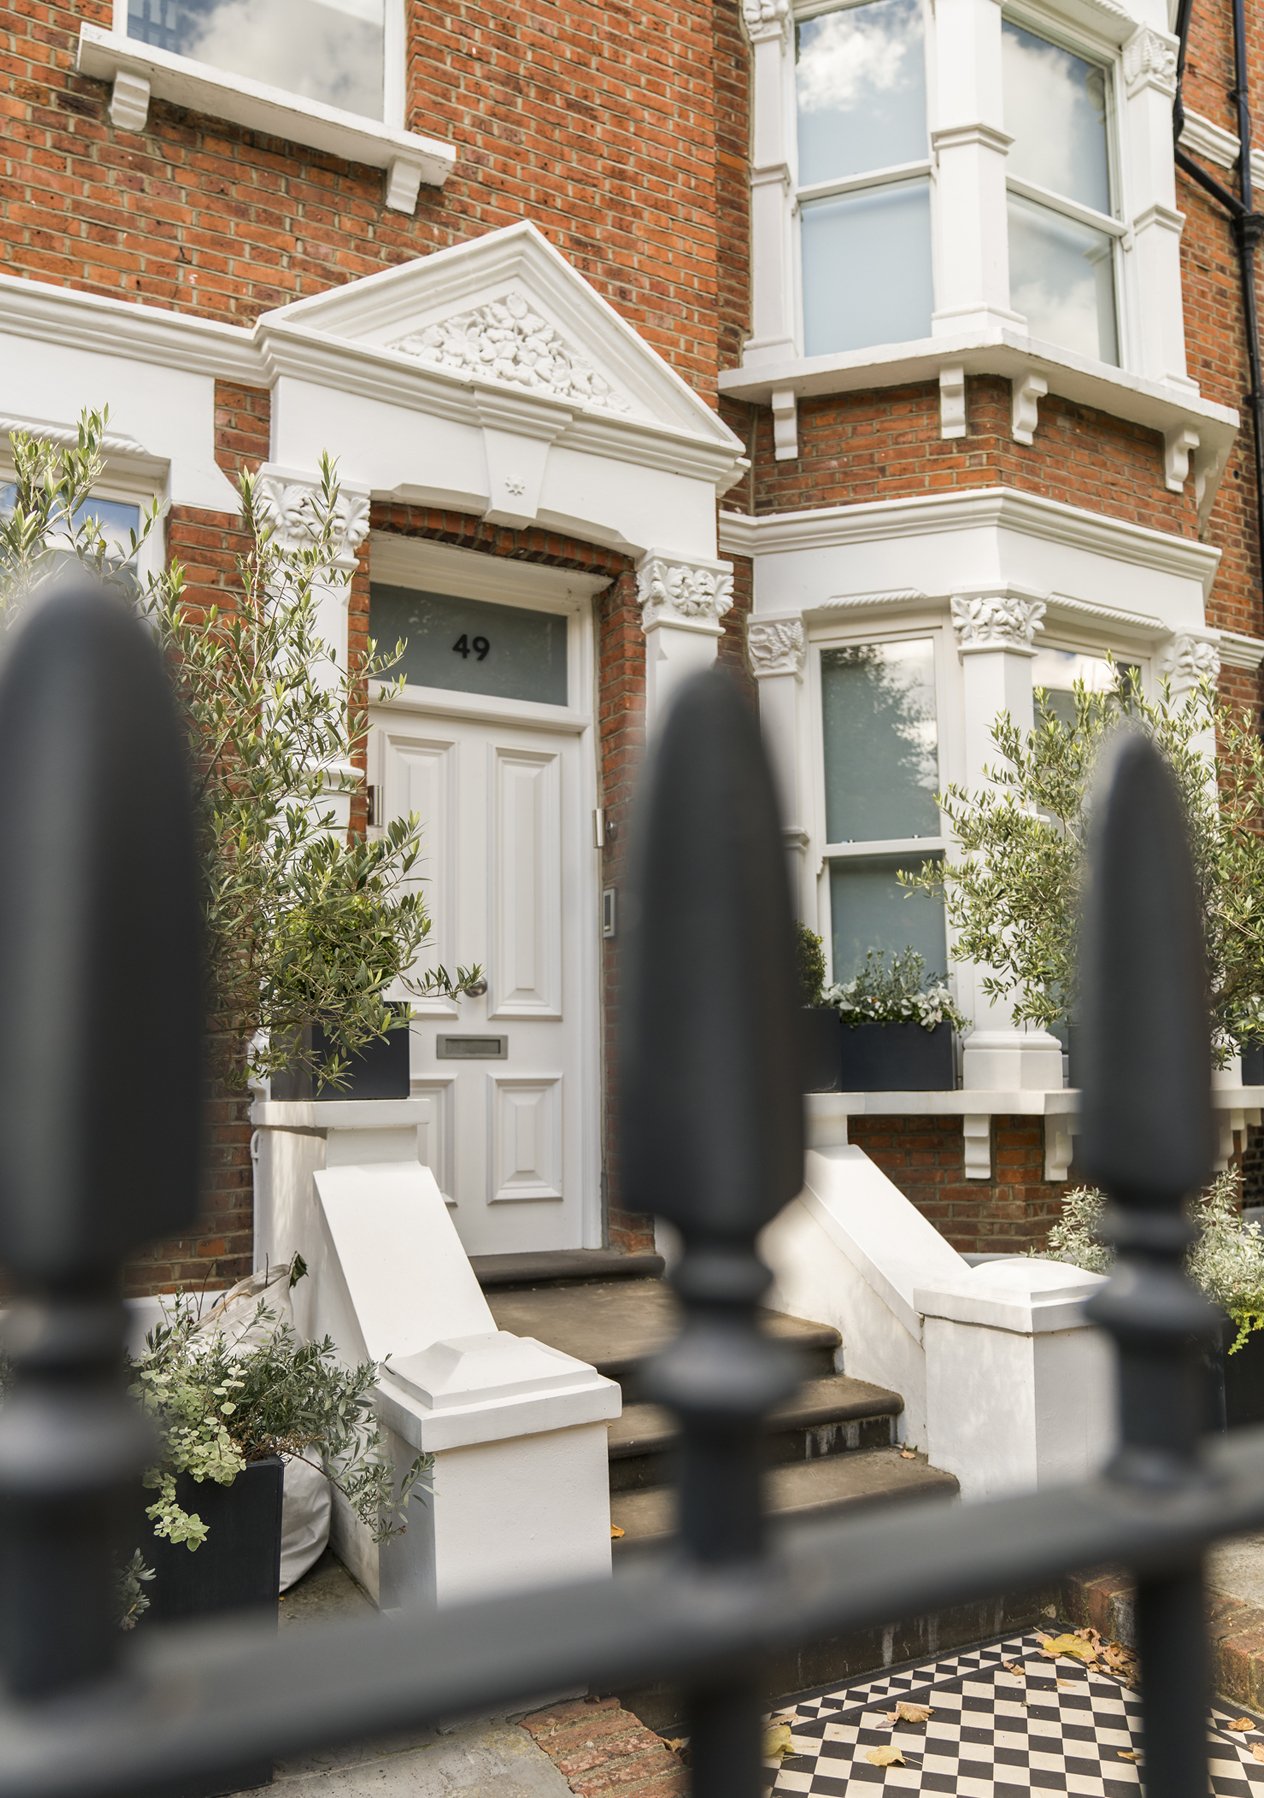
471 1048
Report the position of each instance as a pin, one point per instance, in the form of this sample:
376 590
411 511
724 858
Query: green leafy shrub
894 992
1012 889
305 923
224 1398
810 961
1226 1258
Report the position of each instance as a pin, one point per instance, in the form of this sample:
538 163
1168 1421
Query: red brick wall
925 1158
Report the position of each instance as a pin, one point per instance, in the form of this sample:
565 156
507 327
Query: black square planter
1252 1074
897 1058
819 1030
237 1568
379 1071
1235 1383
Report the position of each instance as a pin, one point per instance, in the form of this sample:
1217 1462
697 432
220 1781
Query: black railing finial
100 1059
712 1136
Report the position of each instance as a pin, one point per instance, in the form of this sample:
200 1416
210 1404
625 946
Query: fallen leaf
1242 1723
886 1757
909 1713
908 1454
1050 1610
1257 1749
616 1531
1061 1682
1016 1668
1074 1648
776 1741
1128 1754
675 1743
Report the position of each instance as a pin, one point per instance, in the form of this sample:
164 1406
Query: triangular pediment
508 312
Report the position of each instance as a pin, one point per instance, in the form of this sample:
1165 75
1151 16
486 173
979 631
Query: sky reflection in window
860 78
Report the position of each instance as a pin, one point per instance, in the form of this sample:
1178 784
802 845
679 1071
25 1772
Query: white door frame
435 567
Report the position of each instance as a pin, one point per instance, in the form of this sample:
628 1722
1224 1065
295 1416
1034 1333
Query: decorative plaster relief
996 621
1188 659
290 502
761 16
776 646
507 340
697 593
1150 58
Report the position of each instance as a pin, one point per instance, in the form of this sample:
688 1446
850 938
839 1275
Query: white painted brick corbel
403 182
785 424
952 402
976 1142
1179 445
1059 1147
129 101
1028 391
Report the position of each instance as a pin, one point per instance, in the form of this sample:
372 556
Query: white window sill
1197 433
828 1114
141 72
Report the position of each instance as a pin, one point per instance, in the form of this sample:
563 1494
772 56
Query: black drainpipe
1246 224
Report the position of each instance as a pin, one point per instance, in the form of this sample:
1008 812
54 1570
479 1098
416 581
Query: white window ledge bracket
141 72
1028 391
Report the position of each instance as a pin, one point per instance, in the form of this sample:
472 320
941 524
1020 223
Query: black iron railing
98 1091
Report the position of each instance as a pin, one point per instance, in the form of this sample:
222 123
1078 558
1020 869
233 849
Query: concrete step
827 1416
615 1325
802 1489
564 1264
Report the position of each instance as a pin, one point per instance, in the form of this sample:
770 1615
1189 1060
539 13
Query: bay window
863 175
880 735
1063 232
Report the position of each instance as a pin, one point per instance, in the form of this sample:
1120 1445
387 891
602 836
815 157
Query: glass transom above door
473 645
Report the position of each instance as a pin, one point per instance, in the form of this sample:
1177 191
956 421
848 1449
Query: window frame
394 49
856 634
894 175
1051 29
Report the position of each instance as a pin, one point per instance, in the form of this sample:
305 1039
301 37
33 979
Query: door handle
476 988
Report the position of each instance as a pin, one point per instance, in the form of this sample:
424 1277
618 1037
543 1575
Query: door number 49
464 645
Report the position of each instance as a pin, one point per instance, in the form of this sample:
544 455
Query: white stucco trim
141 71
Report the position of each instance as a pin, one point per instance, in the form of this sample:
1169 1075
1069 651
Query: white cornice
125 458
402 560
89 321
998 508
1214 144
1237 650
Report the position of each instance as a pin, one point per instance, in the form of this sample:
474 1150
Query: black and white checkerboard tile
1056 1727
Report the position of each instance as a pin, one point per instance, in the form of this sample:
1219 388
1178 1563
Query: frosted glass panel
860 82
881 742
1062 279
869 909
866 268
330 50
1055 109
469 646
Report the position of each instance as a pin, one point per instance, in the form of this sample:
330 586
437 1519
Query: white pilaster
682 603
769 28
1187 659
994 640
776 649
970 145
1158 320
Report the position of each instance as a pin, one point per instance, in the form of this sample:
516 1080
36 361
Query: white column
994 639
1157 320
776 649
289 500
970 146
682 603
769 26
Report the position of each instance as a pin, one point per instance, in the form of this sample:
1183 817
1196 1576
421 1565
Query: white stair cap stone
408 1277
1020 1292
491 1386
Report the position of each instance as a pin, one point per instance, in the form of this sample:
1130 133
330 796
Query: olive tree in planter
898 1027
308 927
1226 1260
1012 890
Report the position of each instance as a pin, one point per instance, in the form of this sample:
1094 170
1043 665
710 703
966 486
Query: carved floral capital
690 592
1150 57
776 646
762 18
291 504
996 621
1188 659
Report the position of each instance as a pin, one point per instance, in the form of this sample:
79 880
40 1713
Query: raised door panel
525 962
421 777
526 1139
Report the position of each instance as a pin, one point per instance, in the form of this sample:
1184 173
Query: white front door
508 868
